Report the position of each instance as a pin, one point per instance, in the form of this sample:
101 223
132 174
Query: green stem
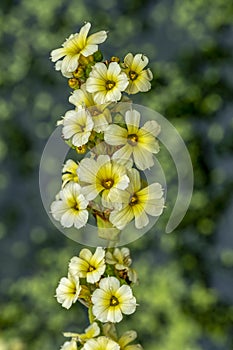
90 315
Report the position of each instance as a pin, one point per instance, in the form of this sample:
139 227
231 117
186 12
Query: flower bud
115 59
83 60
98 56
74 83
88 69
81 149
79 72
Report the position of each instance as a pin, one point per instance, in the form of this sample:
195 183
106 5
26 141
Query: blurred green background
186 277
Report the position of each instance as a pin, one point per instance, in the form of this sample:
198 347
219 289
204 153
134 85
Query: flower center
107 183
133 75
110 84
91 268
76 206
95 111
132 139
133 200
114 301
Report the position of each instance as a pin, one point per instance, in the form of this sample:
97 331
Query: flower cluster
108 183
103 282
80 60
109 189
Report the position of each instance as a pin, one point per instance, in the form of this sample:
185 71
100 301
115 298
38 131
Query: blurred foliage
185 290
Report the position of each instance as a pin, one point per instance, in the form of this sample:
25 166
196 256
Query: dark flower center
75 206
108 183
133 75
133 200
132 139
110 84
95 111
114 301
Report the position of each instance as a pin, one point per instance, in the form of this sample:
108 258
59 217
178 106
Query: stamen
114 301
132 139
133 200
110 84
107 183
76 206
133 75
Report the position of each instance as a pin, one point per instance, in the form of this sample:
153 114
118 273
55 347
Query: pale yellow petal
127 338
140 61
114 315
85 254
132 118
82 36
97 38
135 179
91 191
121 218
151 127
87 170
113 71
70 63
128 59
132 88
155 209
109 283
141 219
123 153
142 158
115 135
142 83
67 219
98 256
113 95
80 219
57 54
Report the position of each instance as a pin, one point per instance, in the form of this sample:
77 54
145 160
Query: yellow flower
82 98
90 332
120 258
137 203
68 291
76 45
140 143
101 116
102 176
106 83
69 172
139 78
77 126
127 338
88 265
70 207
101 343
111 300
